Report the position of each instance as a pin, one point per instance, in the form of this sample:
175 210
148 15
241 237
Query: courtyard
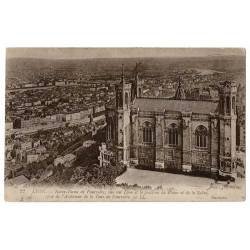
152 178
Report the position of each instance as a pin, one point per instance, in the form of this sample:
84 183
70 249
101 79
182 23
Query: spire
136 72
122 80
180 93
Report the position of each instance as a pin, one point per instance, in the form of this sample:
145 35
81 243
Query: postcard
125 124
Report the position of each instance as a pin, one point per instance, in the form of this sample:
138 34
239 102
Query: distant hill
15 67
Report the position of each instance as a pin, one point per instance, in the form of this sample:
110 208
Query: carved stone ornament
159 119
214 123
134 119
186 122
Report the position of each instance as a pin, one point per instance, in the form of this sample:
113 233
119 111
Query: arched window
147 133
108 131
201 137
173 135
140 92
233 104
228 105
222 105
126 99
120 99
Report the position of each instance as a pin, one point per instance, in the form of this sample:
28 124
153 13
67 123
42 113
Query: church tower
137 84
123 105
180 93
227 95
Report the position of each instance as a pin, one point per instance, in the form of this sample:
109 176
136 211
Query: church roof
159 104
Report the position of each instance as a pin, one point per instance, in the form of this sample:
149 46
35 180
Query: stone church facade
173 134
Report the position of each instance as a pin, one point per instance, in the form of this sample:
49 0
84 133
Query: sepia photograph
125 124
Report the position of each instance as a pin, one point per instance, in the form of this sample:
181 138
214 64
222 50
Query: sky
84 53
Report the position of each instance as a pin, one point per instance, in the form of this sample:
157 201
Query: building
105 157
32 158
241 130
173 134
66 160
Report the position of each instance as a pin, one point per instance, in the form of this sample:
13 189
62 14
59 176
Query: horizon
119 53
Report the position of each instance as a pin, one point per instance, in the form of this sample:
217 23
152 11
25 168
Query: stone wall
160 154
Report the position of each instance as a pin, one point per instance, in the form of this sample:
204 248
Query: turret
123 93
137 84
227 94
123 104
227 111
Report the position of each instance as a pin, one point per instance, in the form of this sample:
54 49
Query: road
41 87
32 130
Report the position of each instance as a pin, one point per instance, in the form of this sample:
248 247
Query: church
173 134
